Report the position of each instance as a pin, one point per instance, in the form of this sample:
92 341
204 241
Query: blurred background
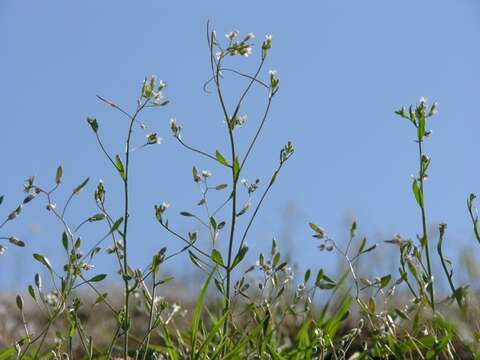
344 68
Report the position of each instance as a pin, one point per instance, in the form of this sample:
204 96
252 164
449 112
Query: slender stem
250 147
445 269
424 225
125 229
195 150
150 316
216 75
125 225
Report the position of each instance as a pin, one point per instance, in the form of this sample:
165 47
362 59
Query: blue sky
344 66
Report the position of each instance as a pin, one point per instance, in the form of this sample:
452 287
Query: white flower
152 138
423 100
249 36
51 299
2 249
51 206
241 120
206 173
248 51
86 266
266 46
164 206
232 34
176 308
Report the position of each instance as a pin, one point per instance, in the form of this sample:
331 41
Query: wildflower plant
255 311
214 261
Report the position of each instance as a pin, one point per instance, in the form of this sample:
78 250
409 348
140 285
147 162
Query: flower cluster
152 90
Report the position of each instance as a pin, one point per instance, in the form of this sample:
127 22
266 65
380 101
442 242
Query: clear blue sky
345 66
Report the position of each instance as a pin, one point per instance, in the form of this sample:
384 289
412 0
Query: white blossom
232 34
51 206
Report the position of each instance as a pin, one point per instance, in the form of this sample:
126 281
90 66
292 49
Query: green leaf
221 187
9 353
240 255
195 260
384 280
81 186
213 332
97 278
236 169
198 310
217 257
186 213
119 166
220 158
244 209
116 225
101 298
96 217
417 192
213 223
274 177
43 260
58 175
164 281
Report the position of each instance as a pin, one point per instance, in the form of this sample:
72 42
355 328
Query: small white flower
152 138
249 36
423 100
158 300
241 120
2 249
51 206
248 51
164 206
51 299
86 266
244 182
232 34
206 173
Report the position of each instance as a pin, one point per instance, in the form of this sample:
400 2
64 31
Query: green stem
424 226
125 229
